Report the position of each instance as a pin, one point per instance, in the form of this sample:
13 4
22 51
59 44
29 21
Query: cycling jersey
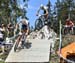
24 27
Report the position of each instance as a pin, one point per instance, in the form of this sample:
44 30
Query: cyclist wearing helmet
24 29
45 9
69 24
25 26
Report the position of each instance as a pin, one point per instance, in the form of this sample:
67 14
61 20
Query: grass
54 58
2 62
4 56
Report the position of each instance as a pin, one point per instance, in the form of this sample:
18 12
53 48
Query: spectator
16 30
2 39
4 32
10 30
69 24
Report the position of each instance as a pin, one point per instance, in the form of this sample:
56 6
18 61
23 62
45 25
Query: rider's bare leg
72 30
18 40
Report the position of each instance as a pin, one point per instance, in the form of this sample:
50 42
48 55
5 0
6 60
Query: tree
10 11
64 9
50 16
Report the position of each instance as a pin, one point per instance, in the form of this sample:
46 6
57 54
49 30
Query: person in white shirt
2 39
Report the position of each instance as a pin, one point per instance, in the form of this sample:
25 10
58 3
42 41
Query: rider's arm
38 12
10 26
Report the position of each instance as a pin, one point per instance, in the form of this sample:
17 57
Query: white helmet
41 5
25 21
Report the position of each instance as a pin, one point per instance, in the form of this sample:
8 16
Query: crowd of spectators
6 32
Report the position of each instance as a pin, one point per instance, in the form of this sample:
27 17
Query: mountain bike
39 22
22 39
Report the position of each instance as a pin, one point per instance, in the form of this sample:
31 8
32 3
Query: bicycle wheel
23 40
15 47
38 24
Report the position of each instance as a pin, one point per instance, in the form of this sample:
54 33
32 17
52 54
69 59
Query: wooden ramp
38 52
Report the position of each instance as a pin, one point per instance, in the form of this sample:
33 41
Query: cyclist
69 24
45 9
24 29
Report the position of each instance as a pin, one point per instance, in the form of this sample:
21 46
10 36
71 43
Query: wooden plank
39 52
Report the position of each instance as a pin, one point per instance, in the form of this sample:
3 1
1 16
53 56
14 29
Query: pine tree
10 11
49 13
64 9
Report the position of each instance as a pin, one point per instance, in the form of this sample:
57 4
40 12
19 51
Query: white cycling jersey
25 21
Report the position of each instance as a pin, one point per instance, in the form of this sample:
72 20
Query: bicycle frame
21 39
39 23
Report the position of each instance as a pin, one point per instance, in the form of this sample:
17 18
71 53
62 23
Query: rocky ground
43 33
